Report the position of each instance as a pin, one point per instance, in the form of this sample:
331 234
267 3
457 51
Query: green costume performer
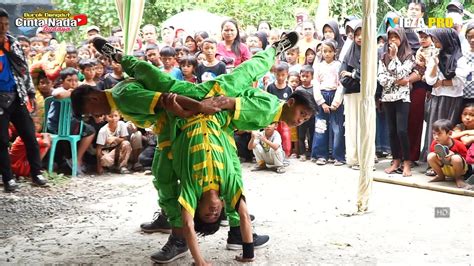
209 139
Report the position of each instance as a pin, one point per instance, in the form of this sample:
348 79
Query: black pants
306 130
18 115
396 115
242 142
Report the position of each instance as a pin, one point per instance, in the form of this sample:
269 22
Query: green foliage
100 13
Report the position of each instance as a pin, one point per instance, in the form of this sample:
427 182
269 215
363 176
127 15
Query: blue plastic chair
64 131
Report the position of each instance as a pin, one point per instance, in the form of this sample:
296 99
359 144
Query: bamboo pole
428 186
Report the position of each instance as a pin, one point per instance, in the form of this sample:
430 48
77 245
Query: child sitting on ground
113 150
266 146
447 155
464 132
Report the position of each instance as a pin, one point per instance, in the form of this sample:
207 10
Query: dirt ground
95 220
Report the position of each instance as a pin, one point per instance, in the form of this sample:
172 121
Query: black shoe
159 224
39 180
287 41
174 249
234 239
10 186
225 222
105 48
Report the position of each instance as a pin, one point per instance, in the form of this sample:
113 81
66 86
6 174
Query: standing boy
211 67
87 67
280 89
306 130
168 58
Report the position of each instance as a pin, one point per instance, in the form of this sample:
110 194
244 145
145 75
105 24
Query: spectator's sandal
124 170
430 172
442 151
259 168
280 170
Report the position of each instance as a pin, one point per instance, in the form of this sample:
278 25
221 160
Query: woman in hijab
350 80
191 44
394 68
447 93
350 29
331 31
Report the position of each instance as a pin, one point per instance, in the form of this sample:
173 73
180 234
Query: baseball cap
455 6
93 28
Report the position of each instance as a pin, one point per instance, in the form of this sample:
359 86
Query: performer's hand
242 259
213 105
169 103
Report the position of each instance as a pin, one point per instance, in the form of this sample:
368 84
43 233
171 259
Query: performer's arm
246 231
185 107
191 238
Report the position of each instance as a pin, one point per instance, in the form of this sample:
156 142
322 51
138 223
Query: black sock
247 250
235 230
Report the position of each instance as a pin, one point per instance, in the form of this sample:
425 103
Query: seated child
464 132
68 84
447 155
113 150
266 146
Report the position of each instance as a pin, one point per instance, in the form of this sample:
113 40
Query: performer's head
88 100
299 107
209 214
